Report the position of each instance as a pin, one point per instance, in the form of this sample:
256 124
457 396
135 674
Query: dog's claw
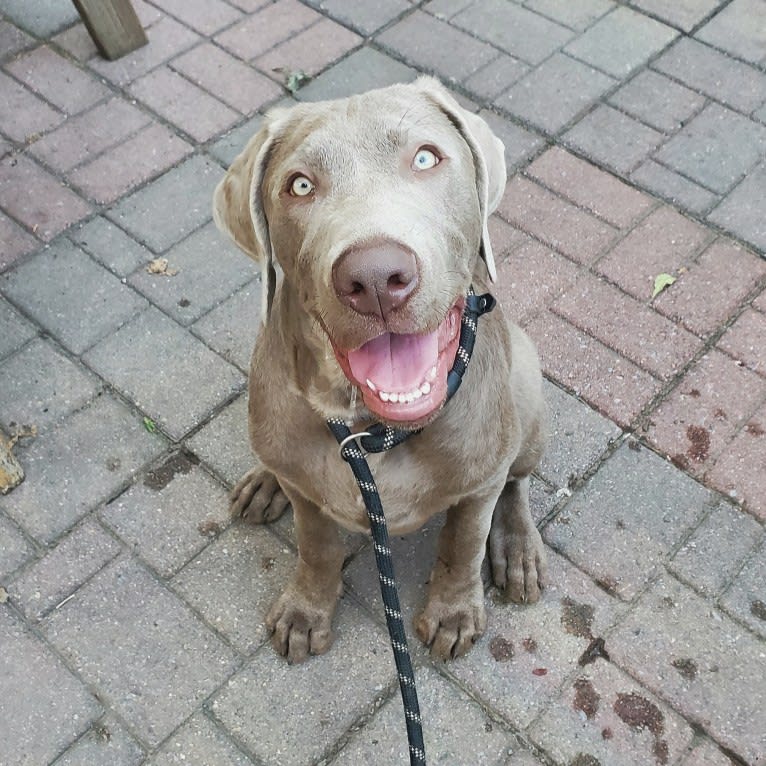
258 497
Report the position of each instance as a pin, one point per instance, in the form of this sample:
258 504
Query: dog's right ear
238 208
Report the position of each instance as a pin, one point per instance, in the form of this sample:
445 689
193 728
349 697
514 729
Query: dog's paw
258 497
298 627
519 565
450 630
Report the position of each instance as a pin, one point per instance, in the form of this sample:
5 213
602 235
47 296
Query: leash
380 438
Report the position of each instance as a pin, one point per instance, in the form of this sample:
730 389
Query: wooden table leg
113 25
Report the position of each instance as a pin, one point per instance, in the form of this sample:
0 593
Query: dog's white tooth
432 373
410 397
426 388
417 393
371 385
384 397
393 398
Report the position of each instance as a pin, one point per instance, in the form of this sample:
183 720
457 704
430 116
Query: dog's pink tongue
395 362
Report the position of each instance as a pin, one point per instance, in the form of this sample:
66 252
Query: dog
369 218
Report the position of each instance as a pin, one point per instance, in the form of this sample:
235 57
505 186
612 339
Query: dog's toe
258 497
519 567
299 629
450 631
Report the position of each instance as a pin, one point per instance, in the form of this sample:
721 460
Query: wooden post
11 472
113 25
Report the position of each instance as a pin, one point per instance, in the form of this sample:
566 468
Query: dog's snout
375 279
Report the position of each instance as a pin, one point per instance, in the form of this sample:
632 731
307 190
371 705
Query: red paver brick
24 114
310 51
256 34
147 154
504 237
704 411
713 288
607 381
184 104
760 302
16 242
661 243
232 81
741 470
37 199
205 16
83 137
629 327
745 340
555 221
589 187
531 279
55 78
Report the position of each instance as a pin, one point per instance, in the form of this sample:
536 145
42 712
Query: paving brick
170 208
105 441
685 14
166 395
77 42
531 280
707 754
63 570
62 83
204 16
760 302
745 340
74 298
716 148
740 212
16 242
625 522
713 288
231 328
559 224
15 550
704 411
12 39
170 516
744 599
446 9
711 72
141 648
199 742
14 330
518 31
209 269
520 143
739 29
50 706
579 16
552 635
726 694
589 187
496 77
110 246
654 343
256 34
366 16
106 742
41 18
658 101
231 80
607 381
555 92
542 499
673 187
147 13
457 730
226 149
621 41
505 238
85 136
312 713
522 758
614 139
429 43
714 553
662 243
639 728
38 385
24 115
577 437
168 39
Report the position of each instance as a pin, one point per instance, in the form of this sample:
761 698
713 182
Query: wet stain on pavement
501 649
577 618
700 443
639 713
586 698
160 477
686 667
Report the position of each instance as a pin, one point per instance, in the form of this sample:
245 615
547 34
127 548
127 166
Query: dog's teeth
410 397
432 373
384 397
371 385
425 388
393 398
417 393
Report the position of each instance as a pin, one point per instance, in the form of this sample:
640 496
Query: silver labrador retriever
373 209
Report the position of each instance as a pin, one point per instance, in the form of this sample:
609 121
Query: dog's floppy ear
238 204
488 158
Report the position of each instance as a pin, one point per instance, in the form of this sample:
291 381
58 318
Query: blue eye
301 187
425 159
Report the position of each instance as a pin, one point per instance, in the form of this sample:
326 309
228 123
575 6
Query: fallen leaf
661 281
3 595
295 80
150 425
160 267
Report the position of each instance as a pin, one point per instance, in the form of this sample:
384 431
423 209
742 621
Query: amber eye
425 159
301 186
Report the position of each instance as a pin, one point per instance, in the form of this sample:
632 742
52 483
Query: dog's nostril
356 288
398 280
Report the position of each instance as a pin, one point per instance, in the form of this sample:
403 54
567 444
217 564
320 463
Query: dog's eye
425 159
301 186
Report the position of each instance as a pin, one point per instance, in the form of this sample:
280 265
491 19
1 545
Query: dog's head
375 207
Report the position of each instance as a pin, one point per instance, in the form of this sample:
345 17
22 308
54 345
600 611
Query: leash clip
350 438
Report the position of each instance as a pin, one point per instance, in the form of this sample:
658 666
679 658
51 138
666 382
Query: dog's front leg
454 616
301 618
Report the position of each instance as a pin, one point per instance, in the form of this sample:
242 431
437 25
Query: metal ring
350 438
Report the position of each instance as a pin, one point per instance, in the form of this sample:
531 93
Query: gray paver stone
746 598
141 648
168 373
226 149
673 187
708 667
579 15
73 297
495 78
366 16
42 17
685 14
15 331
631 514
107 743
742 210
740 29
59 573
50 709
707 754
14 548
76 466
520 143
542 498
110 246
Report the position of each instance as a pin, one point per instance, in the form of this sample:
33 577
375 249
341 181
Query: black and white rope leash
379 438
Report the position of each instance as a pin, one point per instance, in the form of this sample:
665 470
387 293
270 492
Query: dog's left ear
488 158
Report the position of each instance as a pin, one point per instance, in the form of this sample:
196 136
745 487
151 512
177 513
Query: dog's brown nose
376 278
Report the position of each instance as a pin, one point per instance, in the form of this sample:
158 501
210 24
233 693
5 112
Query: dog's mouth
403 377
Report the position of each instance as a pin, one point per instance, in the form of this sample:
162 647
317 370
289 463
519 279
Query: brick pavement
131 608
